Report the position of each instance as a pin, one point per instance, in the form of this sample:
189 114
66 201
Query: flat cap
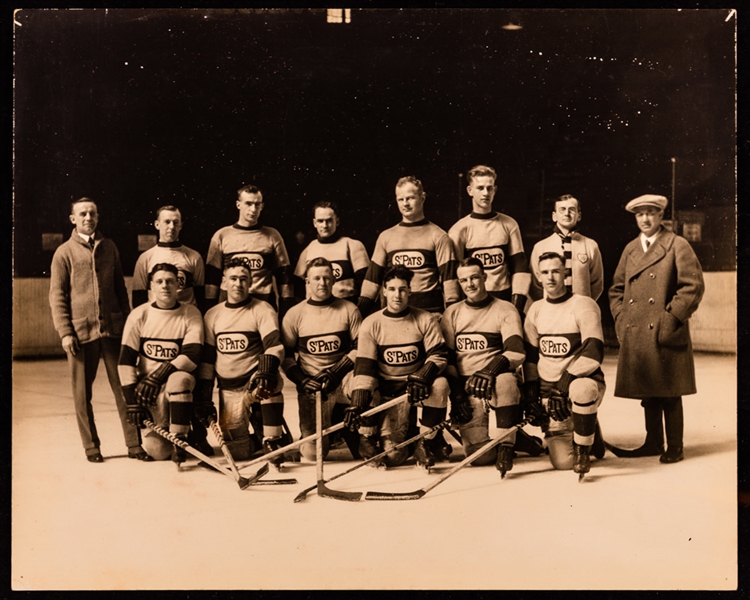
659 202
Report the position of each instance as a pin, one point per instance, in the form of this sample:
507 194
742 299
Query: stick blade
327 492
276 482
303 494
395 495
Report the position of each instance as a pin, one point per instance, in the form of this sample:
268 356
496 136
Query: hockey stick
233 466
321 484
327 431
357 495
243 482
416 495
456 435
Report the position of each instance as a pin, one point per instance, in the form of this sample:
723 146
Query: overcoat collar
638 260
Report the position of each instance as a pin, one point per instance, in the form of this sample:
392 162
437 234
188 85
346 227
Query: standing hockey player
419 245
400 349
190 278
261 247
485 347
322 333
347 256
89 303
243 351
564 353
494 238
584 273
169 249
161 347
658 285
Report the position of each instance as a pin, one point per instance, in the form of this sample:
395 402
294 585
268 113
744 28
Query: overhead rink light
513 24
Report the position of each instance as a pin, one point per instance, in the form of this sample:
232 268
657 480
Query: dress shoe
140 455
672 455
95 458
645 450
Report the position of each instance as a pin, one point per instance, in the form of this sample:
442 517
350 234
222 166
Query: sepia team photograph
417 299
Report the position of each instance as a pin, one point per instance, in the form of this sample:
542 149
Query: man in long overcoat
657 286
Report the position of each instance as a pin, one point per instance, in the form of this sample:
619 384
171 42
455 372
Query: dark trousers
83 368
671 409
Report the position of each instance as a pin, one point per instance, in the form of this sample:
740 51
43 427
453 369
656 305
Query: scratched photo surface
140 108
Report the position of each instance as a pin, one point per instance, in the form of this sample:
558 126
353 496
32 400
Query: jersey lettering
337 271
402 355
554 346
254 261
467 342
490 257
181 279
161 349
232 343
412 259
327 344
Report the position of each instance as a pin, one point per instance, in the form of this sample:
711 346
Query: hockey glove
147 390
353 413
419 383
482 383
266 377
559 405
136 412
461 411
203 404
366 306
332 377
532 406
306 385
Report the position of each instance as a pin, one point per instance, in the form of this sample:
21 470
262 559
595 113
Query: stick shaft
473 456
223 445
327 431
319 431
183 444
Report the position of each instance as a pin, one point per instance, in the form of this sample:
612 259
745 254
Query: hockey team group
429 335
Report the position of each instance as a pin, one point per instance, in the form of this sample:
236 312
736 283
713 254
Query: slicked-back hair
162 267
326 204
413 180
170 208
398 272
318 262
250 189
566 197
82 199
237 262
549 255
470 261
481 171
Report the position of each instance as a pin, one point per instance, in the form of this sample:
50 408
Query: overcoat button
631 301
650 325
652 276
650 300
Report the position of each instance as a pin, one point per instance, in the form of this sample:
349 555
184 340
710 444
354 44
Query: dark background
140 108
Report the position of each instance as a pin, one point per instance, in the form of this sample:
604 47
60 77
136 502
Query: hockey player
169 249
190 277
243 351
564 353
584 273
419 245
494 238
348 257
322 333
400 349
161 347
261 247
485 347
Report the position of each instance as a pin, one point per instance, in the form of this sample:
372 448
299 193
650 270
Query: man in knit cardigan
89 304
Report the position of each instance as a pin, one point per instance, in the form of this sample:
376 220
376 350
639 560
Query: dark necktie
91 242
